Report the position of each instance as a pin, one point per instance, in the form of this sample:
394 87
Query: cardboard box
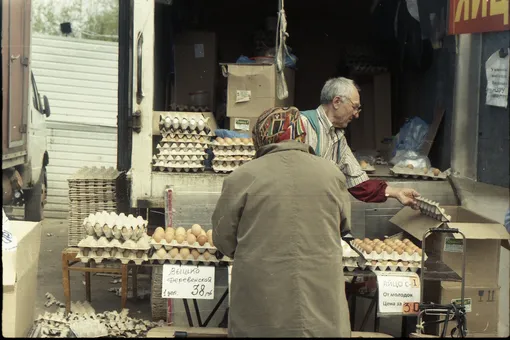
196 67
20 279
242 125
482 304
252 89
484 238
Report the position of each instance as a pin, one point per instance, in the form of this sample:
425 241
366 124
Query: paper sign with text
187 282
399 293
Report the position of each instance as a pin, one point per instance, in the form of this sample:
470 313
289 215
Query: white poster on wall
496 69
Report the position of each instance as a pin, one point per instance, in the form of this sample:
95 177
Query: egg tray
181 152
180 133
216 147
347 251
190 259
393 256
201 249
111 219
224 169
405 172
107 255
133 233
232 152
103 243
183 146
224 164
173 168
184 158
183 123
89 329
381 266
432 209
232 159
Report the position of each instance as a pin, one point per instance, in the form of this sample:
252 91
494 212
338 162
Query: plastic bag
411 135
405 157
230 134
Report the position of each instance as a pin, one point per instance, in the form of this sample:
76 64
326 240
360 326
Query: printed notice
187 282
496 69
243 96
399 293
453 245
241 124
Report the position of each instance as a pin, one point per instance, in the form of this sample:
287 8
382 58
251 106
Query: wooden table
69 263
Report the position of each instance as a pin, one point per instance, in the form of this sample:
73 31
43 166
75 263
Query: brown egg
366 240
409 250
229 141
195 229
237 141
398 242
436 172
368 249
202 239
410 166
170 230
195 254
184 252
220 140
179 238
376 240
161 253
405 240
405 263
157 237
373 262
400 251
378 249
173 252
419 251
159 230
363 164
209 234
180 231
206 255
357 241
425 170
169 237
191 239
387 241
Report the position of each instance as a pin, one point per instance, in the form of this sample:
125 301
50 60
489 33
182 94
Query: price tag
187 282
399 293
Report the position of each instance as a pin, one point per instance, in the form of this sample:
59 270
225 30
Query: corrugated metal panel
80 79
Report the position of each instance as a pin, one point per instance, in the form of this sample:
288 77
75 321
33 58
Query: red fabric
371 191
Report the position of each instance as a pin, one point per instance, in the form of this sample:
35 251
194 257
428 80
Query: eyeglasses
356 108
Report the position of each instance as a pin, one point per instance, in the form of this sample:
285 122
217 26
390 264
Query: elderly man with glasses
340 104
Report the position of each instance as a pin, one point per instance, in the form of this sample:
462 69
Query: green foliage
90 19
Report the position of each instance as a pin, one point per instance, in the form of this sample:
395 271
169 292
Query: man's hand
406 196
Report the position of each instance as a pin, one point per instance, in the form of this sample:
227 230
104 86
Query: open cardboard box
19 269
484 238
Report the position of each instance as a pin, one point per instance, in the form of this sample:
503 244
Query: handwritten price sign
399 293
187 282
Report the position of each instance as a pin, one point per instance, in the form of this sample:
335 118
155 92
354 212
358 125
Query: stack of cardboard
484 239
251 91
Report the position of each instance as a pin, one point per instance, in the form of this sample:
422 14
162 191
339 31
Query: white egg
184 124
175 123
192 124
168 123
201 125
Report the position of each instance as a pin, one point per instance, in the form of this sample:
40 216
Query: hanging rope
281 52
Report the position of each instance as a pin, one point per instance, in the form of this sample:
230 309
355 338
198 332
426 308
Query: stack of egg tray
114 237
185 138
424 173
432 209
172 253
350 258
94 189
390 261
229 154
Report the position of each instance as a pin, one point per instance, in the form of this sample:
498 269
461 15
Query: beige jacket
279 216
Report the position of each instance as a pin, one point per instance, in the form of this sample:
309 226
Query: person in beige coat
280 218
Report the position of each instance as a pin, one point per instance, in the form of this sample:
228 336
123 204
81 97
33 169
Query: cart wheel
34 208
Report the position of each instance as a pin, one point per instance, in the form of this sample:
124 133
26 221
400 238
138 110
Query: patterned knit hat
278 124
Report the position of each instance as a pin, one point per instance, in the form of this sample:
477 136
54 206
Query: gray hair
334 87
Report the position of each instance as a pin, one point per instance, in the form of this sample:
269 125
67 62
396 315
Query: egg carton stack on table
93 189
390 254
185 246
114 237
411 171
350 258
185 138
231 153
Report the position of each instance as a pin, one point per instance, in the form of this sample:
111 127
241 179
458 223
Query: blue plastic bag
230 134
411 135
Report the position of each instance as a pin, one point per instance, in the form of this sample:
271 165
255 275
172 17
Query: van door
15 72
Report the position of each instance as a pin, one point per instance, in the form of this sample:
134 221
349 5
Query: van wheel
34 208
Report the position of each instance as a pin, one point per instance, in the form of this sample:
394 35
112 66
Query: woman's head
278 124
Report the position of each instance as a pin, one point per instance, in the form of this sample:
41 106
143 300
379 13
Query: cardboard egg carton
387 256
124 255
105 244
177 168
201 249
89 329
393 266
190 146
179 133
224 168
432 209
183 121
232 159
347 251
197 158
186 138
350 264
233 152
115 232
399 171
232 163
166 258
180 152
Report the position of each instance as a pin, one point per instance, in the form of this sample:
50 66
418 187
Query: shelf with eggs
231 153
390 254
112 236
178 157
178 244
411 171
188 123
350 258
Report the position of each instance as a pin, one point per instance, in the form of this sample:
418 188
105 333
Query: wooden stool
68 262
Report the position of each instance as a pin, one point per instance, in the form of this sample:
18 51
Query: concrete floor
50 278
